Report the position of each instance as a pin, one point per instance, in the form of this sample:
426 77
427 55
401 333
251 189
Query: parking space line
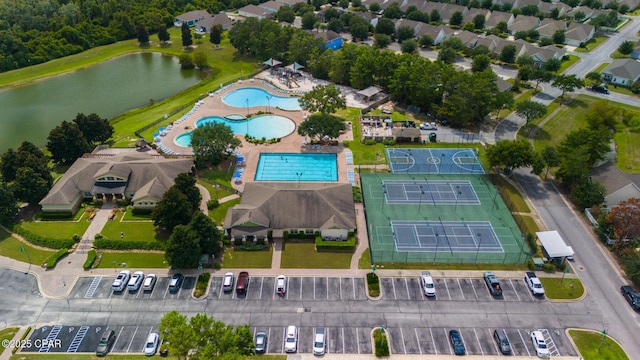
460 286
478 340
221 290
357 340
343 349
301 287
268 337
406 284
284 337
418 340
340 284
117 337
524 343
353 281
447 287
404 343
433 341
314 288
327 278
495 345
131 342
474 289
449 340
514 289
166 290
393 284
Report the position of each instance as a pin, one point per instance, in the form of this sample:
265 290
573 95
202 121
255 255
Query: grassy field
218 214
531 226
132 230
7 334
133 260
304 256
593 43
247 259
56 229
215 193
594 345
10 247
510 193
566 64
562 289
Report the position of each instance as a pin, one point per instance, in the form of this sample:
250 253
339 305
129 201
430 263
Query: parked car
227 282
291 339
429 126
570 257
631 296
428 288
149 283
106 342
135 282
492 283
243 282
151 345
121 281
503 342
319 341
540 344
175 283
281 285
261 342
600 88
456 342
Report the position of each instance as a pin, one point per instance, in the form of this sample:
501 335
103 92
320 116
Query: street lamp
114 266
479 244
247 101
268 103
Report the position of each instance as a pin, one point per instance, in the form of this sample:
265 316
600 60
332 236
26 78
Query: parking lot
100 288
340 340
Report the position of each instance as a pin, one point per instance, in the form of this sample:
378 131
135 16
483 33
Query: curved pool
263 126
244 97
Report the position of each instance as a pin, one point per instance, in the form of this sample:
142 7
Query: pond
108 89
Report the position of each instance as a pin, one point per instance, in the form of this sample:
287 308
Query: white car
281 285
151 345
149 282
227 282
428 126
426 281
135 281
539 344
291 339
121 281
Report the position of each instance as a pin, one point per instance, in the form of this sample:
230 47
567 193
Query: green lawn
591 346
130 216
7 334
132 230
531 226
10 247
562 289
601 67
302 255
510 193
628 150
56 229
218 214
219 175
215 193
566 64
593 43
133 260
365 260
247 259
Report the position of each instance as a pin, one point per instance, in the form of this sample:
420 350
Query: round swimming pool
263 126
248 97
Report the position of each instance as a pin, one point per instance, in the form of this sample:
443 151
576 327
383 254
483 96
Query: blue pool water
258 97
263 126
297 167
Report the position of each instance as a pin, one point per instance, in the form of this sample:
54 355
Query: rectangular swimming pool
297 167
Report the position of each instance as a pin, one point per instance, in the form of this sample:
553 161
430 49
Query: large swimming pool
297 167
263 126
248 97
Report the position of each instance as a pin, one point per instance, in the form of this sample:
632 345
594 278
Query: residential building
578 33
548 27
191 18
622 72
272 6
496 17
619 186
333 39
523 23
221 19
254 11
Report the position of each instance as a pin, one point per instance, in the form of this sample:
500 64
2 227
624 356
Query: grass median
562 288
594 345
303 255
18 250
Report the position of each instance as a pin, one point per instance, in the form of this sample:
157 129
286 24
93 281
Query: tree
187 39
8 203
393 11
381 41
385 26
624 219
501 27
426 40
480 63
567 83
359 29
163 34
550 158
172 210
404 32
94 128
508 54
183 248
28 155
186 61
286 14
326 99
510 154
321 126
552 65
409 46
186 184
435 16
594 78
587 194
211 143
179 335
215 34
541 75
456 18
530 110
30 186
200 60
478 21
626 47
558 36
447 55
142 33
209 237
309 19
67 143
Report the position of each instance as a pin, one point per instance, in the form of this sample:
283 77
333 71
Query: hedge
128 245
55 215
253 247
91 258
381 343
47 242
286 235
53 259
349 244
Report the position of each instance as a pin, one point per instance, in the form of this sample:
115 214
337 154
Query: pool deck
212 105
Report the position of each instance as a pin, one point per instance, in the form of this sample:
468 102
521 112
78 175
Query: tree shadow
146 45
540 134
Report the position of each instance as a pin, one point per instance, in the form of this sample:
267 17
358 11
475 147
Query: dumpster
432 137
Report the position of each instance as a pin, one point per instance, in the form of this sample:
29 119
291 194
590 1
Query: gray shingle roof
623 68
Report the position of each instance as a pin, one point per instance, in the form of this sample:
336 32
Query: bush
212 204
349 244
47 242
549 268
53 259
127 245
381 343
357 194
91 258
135 211
390 142
252 247
531 265
201 285
373 284
24 336
369 142
55 215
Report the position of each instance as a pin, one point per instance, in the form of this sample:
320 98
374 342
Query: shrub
47 242
252 247
357 194
549 268
128 244
53 259
55 215
201 285
369 142
389 142
531 265
135 211
373 284
349 244
24 336
381 343
212 204
91 258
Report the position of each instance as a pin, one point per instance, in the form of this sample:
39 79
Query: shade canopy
294 66
272 62
553 244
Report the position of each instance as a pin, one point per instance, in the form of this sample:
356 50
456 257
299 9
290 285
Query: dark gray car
261 342
105 343
503 342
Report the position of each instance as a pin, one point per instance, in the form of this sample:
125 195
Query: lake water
108 89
